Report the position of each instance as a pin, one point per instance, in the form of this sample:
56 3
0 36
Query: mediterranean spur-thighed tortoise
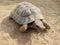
28 15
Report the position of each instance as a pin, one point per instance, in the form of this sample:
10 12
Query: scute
26 13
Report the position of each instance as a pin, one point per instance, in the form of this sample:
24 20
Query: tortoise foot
23 28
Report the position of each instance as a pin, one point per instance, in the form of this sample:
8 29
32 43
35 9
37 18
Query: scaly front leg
23 28
46 24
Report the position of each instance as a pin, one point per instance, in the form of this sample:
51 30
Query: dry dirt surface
10 35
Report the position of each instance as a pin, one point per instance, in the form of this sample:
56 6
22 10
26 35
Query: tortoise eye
41 19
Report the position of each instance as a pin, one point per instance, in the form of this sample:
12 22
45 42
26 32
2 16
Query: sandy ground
10 35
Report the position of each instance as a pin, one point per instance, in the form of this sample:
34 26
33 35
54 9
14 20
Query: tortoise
28 15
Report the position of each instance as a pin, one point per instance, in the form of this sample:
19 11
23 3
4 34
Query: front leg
46 24
23 28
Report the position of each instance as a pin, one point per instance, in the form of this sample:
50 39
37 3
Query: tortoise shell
26 13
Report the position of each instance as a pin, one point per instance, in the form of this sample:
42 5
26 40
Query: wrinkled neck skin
40 24
33 25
